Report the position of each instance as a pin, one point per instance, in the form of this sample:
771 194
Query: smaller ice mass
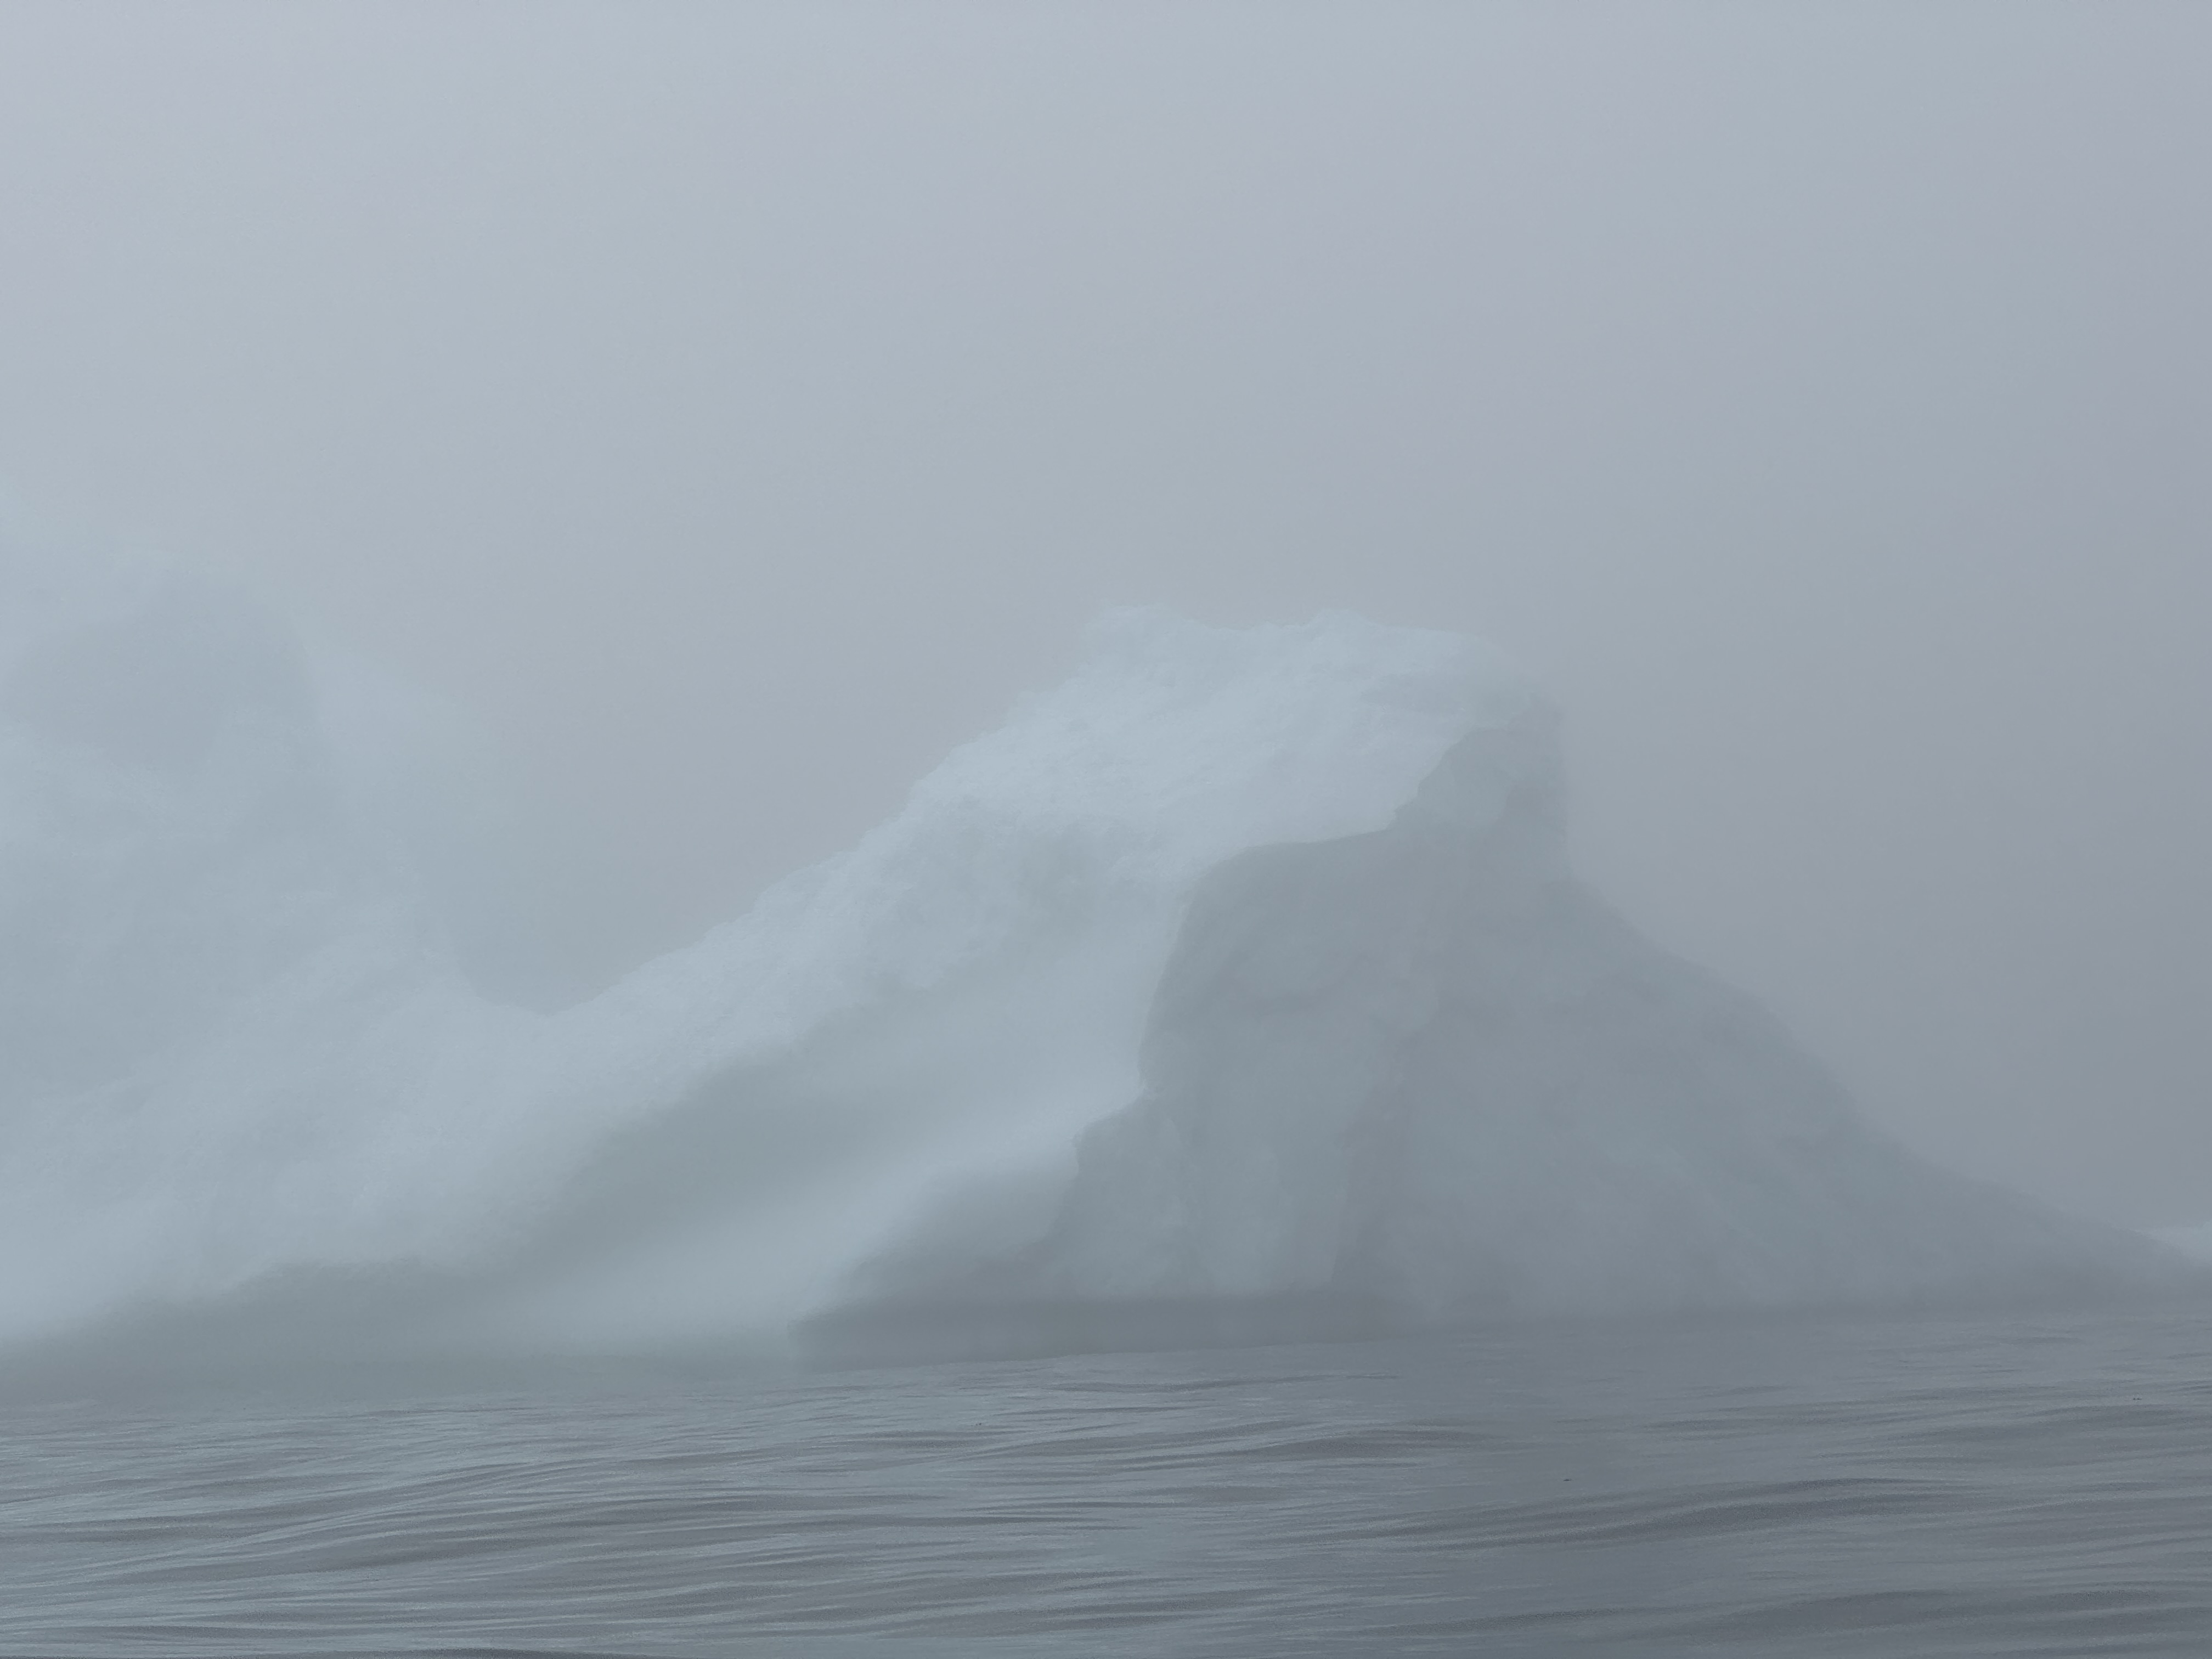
1241 972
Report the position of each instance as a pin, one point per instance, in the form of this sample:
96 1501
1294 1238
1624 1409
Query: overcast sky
733 407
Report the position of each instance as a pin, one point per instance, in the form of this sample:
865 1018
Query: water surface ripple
2023 1484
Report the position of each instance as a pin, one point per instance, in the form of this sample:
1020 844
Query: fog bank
731 408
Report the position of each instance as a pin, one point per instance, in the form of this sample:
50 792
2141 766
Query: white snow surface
235 1040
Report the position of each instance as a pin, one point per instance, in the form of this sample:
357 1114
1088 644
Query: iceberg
1243 964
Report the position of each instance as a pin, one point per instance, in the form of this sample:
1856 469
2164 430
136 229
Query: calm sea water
1995 1485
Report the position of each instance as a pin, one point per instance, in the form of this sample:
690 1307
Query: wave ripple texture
1767 1486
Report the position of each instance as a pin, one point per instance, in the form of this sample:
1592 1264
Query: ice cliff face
1424 1065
